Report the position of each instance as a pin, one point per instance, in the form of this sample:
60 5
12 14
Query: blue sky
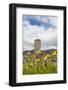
39 27
43 21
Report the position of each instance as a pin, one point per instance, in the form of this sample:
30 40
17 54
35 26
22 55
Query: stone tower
37 45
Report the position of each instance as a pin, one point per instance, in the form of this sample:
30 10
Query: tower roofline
37 39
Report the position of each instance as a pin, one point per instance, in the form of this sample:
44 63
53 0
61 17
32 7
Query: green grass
50 68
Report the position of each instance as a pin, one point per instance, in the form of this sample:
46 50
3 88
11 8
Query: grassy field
42 64
50 68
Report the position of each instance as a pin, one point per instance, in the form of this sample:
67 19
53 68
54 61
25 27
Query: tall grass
40 65
50 68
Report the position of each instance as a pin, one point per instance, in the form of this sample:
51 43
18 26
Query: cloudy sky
39 27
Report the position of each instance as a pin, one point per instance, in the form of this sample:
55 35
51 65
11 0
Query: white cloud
53 21
31 32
